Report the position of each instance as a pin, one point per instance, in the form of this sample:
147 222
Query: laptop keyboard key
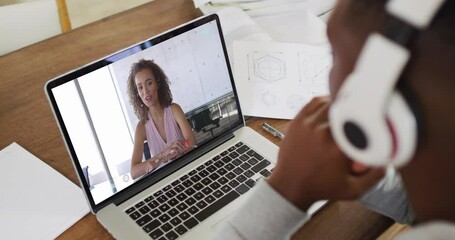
265 173
250 183
241 179
233 155
242 188
233 183
236 162
207 212
229 166
155 213
243 149
207 190
156 234
245 166
164 218
143 220
239 144
231 148
190 223
135 215
179 188
181 196
166 227
139 204
211 168
201 204
218 194
183 178
175 183
173 202
226 159
173 212
148 199
153 204
164 207
222 180
158 193
162 199
187 183
215 185
252 153
253 161
184 216
249 173
203 173
170 193
190 201
190 191
182 206
244 157
171 235
130 210
230 175
193 210
261 165
238 171
206 181
151 226
181 230
198 186
209 199
176 221
198 196
195 178
226 188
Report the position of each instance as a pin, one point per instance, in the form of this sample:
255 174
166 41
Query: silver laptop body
97 122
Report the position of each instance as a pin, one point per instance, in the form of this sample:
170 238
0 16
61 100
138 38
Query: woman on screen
161 123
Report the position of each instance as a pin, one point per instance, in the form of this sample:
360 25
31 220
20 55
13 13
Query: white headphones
369 119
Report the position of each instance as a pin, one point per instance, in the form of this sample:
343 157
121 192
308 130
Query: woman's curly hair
164 92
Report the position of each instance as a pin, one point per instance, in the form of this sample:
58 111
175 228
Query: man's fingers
312 106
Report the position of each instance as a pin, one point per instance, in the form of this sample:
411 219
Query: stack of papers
36 202
278 50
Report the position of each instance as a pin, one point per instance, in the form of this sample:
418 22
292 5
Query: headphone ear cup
403 128
373 138
360 131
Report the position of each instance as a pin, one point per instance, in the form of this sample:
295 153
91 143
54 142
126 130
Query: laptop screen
105 109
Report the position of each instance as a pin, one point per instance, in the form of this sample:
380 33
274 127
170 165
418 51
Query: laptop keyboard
178 207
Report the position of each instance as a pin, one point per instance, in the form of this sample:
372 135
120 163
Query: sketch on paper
314 68
277 79
268 98
266 67
296 101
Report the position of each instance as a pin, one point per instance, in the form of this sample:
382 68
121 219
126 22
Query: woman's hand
310 165
176 149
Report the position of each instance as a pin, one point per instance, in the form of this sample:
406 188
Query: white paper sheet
36 202
276 80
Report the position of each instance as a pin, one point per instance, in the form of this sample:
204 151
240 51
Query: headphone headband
369 119
418 13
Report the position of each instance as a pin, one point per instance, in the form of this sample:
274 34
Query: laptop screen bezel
146 181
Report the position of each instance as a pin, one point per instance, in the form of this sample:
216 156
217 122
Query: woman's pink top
171 128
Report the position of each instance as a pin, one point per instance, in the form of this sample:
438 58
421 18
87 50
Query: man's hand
310 165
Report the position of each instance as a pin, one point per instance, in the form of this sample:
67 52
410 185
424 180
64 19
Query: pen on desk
272 130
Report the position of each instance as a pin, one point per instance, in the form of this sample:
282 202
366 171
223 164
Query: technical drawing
296 101
268 99
266 67
314 68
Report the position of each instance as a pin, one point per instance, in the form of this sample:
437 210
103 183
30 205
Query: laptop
185 198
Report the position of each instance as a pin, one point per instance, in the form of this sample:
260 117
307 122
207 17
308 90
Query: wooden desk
26 118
